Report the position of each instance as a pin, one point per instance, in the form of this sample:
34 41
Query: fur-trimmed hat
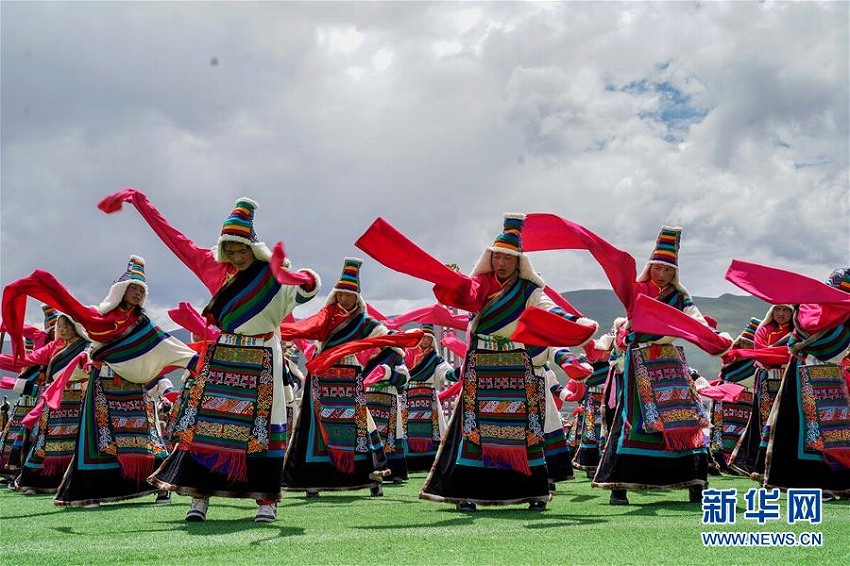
239 228
509 242
840 279
666 253
77 326
768 317
50 317
135 275
349 281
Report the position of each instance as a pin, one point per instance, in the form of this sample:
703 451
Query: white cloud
382 59
728 118
340 40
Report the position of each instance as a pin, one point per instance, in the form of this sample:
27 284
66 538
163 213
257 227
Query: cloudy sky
729 119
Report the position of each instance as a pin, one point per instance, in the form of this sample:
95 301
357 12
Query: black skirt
182 474
449 482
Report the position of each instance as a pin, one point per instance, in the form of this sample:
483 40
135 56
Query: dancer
231 425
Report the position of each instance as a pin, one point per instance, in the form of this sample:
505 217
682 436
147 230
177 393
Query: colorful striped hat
135 271
51 315
749 333
350 278
510 241
239 228
667 246
840 279
428 329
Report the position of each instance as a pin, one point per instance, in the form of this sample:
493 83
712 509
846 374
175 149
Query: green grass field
579 527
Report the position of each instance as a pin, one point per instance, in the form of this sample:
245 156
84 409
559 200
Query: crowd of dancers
347 399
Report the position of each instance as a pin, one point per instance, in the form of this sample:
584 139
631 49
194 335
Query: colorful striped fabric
14 437
668 400
339 406
243 297
424 370
141 339
502 413
56 439
506 308
423 425
357 327
228 412
825 414
729 421
827 346
739 370
116 429
383 407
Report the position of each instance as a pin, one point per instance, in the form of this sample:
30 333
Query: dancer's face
661 275
240 255
504 265
65 330
134 295
346 300
782 314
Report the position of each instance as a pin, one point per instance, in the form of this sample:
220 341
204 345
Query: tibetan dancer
729 418
493 451
336 444
560 442
589 435
809 425
772 334
55 433
15 438
117 444
425 421
231 426
655 439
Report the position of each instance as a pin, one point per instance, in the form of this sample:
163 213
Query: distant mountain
732 313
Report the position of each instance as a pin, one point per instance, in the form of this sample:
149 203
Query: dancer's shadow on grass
328 500
70 530
31 515
229 526
663 509
544 520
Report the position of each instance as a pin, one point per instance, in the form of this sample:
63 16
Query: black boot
695 494
537 506
618 497
376 490
466 507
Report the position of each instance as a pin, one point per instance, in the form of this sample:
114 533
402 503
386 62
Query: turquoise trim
801 428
